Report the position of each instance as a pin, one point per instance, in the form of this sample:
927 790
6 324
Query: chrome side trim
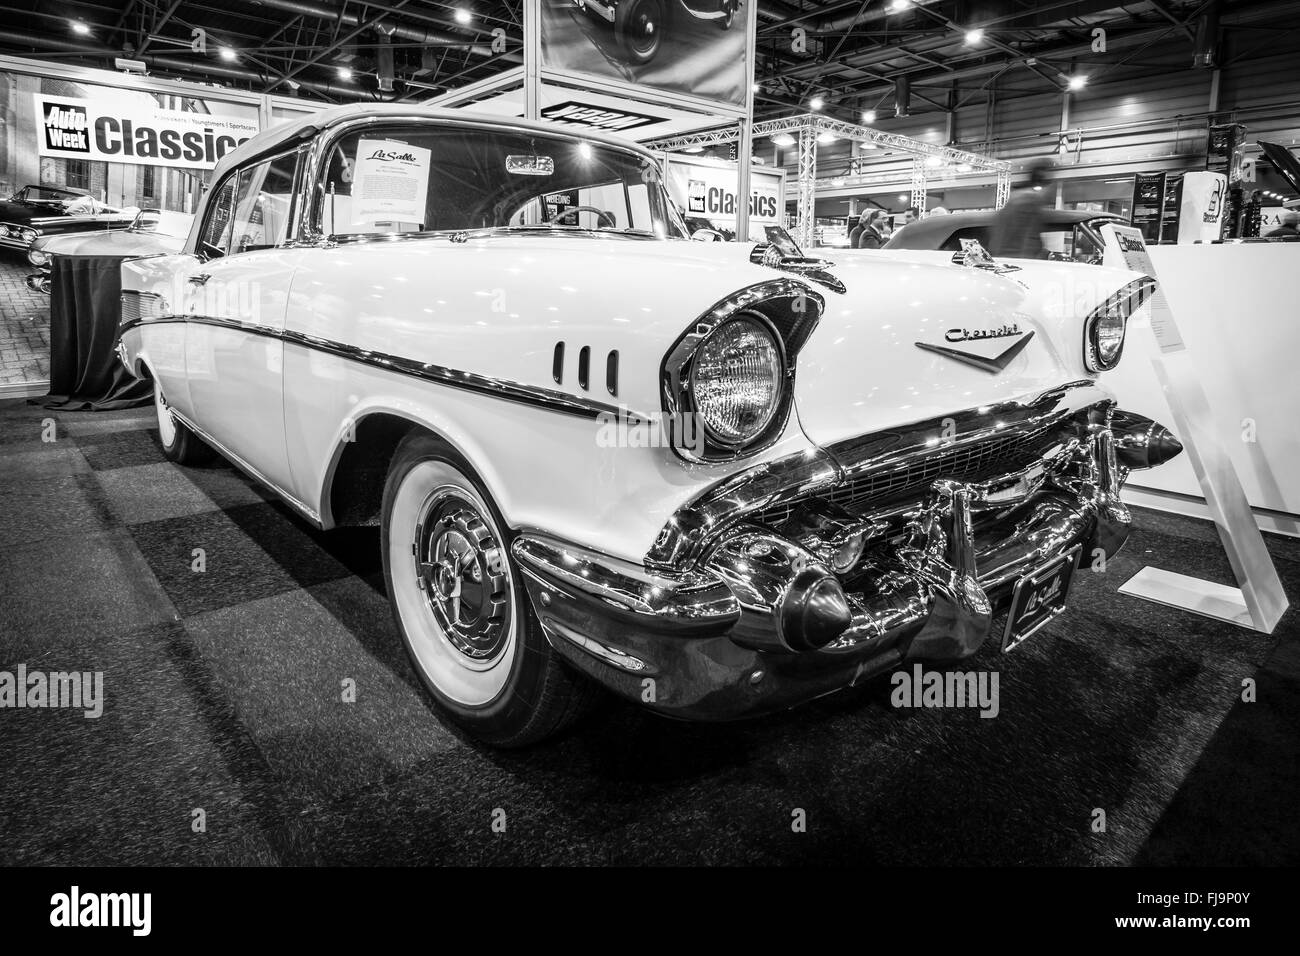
470 381
248 469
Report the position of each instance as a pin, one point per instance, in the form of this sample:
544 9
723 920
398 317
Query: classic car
639 24
152 231
36 211
718 479
1068 234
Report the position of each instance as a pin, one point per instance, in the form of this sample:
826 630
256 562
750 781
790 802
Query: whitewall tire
179 444
460 605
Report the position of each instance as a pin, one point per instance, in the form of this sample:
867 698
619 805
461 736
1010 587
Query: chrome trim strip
455 378
252 472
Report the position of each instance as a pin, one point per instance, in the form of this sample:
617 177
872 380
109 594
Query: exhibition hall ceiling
856 58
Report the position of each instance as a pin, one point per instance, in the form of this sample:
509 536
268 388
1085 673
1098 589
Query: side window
263 204
212 241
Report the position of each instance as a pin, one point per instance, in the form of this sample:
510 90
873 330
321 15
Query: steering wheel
604 218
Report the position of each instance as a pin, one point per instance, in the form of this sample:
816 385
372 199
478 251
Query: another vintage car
1068 234
718 479
640 24
152 232
37 211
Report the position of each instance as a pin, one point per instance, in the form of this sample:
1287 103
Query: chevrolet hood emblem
990 351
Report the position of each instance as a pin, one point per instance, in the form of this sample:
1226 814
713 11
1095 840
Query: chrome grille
910 478
139 305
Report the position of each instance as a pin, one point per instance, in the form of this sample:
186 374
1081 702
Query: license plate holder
1039 597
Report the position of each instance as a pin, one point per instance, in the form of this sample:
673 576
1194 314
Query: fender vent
584 368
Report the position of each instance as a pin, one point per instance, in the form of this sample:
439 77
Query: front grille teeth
976 461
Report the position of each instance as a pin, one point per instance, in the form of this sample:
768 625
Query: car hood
867 367
41 216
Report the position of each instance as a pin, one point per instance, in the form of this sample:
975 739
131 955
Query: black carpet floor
224 695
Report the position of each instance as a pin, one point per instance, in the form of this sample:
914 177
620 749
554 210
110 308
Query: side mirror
707 235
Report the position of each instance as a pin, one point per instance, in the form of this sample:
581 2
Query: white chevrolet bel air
716 478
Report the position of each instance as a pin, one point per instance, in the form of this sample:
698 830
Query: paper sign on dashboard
391 183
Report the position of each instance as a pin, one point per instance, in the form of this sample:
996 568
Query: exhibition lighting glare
974 36
463 15
345 73
869 116
825 138
693 149
227 54
80 28
1078 82
816 103
902 197
584 150
897 5
934 162
783 139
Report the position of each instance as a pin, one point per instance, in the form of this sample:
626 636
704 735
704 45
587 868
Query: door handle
200 278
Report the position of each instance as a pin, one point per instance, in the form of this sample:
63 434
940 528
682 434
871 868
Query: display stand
1258 601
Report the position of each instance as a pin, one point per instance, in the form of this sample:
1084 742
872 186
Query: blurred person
1289 228
873 234
910 216
936 211
856 231
1017 229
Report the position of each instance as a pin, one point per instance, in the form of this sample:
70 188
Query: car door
234 301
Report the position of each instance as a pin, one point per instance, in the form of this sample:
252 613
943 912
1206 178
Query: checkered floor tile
223 702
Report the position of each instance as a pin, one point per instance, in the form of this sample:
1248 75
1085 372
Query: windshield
410 177
45 194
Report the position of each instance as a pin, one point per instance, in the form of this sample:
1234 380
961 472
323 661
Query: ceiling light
1078 81
869 116
1038 189
345 73
825 138
80 29
974 36
934 162
693 149
463 16
964 167
897 5
816 103
903 197
227 54
758 88
584 150
783 140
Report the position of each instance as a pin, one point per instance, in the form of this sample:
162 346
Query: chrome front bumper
762 622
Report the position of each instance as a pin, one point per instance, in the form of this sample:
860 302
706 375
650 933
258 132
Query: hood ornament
783 253
973 255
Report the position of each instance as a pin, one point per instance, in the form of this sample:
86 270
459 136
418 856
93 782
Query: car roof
282 136
931 232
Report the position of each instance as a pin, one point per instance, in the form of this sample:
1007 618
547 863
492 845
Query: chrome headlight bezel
787 311
762 328
38 257
1118 308
28 235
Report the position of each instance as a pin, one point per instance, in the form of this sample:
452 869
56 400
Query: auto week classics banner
121 132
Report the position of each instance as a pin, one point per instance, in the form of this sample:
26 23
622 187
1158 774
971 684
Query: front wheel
460 605
638 25
179 444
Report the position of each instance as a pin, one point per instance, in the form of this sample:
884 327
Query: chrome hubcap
462 570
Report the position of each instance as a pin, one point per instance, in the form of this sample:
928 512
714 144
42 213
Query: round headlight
736 381
1106 338
37 258
29 235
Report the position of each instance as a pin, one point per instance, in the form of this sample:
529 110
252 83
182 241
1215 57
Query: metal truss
809 126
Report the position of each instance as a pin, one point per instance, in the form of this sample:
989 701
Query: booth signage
73 128
707 188
595 117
